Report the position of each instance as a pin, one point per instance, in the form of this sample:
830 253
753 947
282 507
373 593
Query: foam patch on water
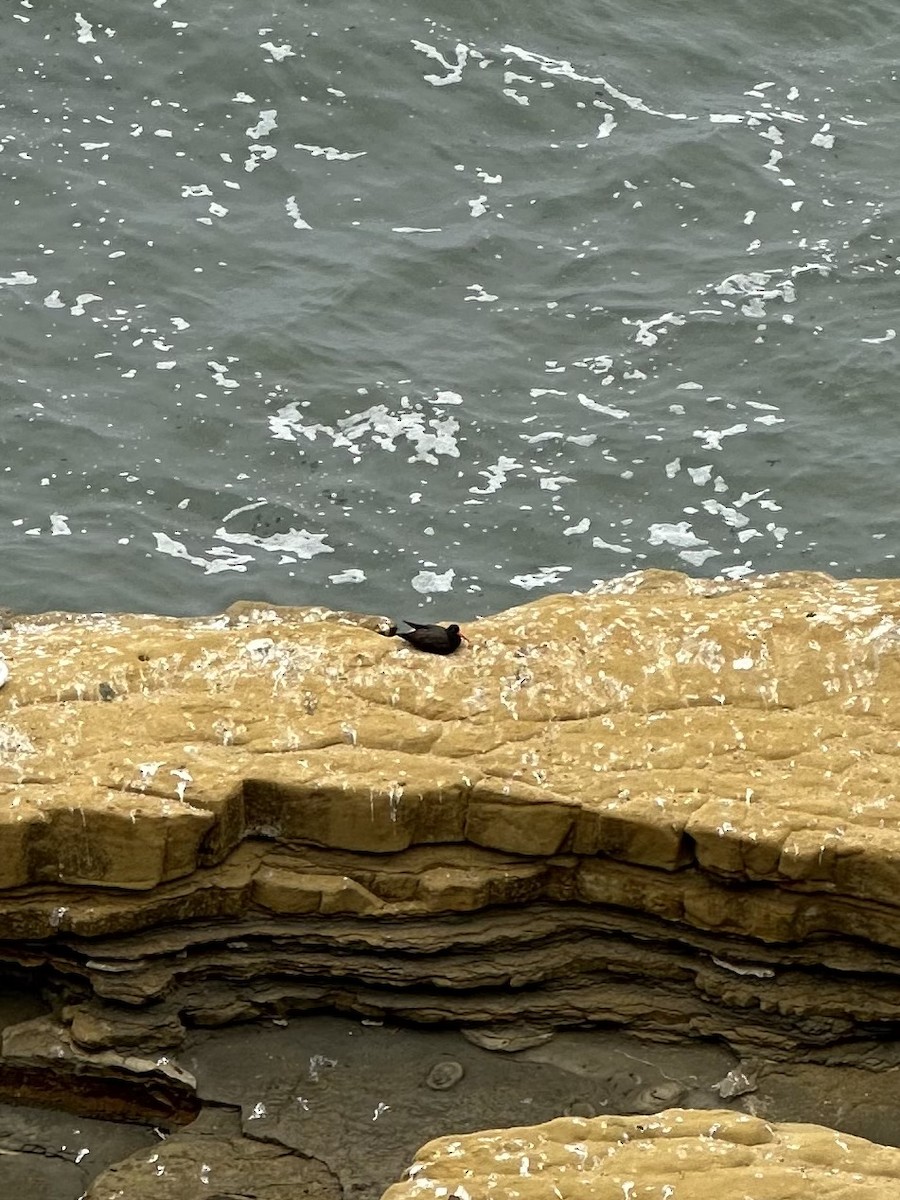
290 545
427 437
330 153
279 53
85 29
219 558
292 209
265 125
351 575
298 542
564 68
454 70
426 582
542 577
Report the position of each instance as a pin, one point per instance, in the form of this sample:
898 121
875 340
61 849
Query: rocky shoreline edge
667 808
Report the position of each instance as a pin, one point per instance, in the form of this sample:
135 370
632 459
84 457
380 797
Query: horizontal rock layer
679 1152
671 804
452 934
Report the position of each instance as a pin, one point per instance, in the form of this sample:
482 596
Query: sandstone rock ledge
671 804
679 1154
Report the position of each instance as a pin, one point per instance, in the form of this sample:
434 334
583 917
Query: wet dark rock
40 1064
580 1108
191 1166
666 1093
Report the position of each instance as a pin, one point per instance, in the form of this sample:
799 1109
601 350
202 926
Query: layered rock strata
679 1152
671 805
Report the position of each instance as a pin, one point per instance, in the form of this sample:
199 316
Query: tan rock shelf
752 728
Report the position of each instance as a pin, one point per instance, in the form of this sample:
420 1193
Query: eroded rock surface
46 1155
671 806
192 1166
678 1152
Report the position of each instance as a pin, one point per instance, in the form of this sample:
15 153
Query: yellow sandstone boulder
680 1154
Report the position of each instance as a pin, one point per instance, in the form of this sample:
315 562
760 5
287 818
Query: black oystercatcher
434 639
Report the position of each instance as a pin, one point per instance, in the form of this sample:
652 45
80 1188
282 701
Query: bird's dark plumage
433 639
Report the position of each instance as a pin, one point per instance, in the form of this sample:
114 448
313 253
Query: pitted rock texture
670 805
676 1153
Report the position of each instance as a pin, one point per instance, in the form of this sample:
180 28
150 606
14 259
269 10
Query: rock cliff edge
670 805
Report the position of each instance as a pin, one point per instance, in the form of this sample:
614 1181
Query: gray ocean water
405 308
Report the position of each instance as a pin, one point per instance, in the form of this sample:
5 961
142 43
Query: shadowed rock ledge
670 805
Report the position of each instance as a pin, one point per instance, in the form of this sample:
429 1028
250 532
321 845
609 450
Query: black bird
434 639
